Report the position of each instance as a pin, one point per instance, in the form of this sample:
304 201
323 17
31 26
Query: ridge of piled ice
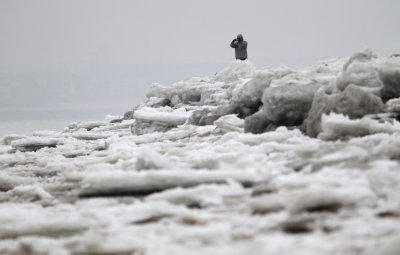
250 160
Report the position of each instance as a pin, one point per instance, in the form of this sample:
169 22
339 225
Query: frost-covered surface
248 161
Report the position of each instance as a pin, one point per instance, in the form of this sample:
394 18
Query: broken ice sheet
193 182
143 183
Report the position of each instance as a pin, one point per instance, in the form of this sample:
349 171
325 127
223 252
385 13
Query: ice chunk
8 182
289 96
157 102
125 124
7 139
230 123
360 70
205 116
257 123
337 126
280 135
199 196
237 70
385 181
88 125
188 91
266 204
128 115
160 119
246 99
389 73
288 104
47 133
141 183
34 143
31 193
163 114
217 93
314 197
140 127
53 222
85 135
150 159
393 105
353 102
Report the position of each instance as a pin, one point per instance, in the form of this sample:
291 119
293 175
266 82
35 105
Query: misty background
70 60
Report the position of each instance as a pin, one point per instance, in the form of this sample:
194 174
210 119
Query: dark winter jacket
240 48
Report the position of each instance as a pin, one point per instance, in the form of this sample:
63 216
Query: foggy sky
54 35
97 53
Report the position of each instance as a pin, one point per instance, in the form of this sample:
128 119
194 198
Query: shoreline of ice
247 161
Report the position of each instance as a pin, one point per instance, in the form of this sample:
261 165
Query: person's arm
234 43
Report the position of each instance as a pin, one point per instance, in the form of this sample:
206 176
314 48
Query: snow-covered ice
250 160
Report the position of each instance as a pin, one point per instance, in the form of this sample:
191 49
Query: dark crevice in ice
298 226
324 207
152 219
389 214
140 191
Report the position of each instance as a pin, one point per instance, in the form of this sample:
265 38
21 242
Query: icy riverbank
247 161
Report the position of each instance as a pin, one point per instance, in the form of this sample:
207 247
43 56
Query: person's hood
240 37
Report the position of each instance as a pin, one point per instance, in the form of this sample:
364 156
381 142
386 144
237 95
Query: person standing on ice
240 47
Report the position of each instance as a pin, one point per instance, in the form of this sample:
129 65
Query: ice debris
247 161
